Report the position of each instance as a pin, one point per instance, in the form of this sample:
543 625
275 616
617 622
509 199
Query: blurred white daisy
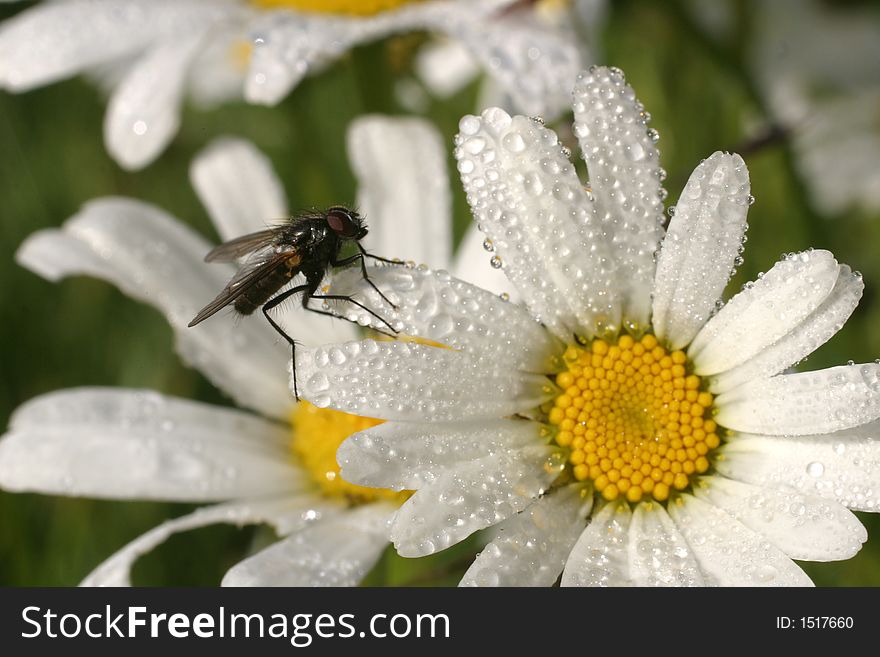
815 64
279 468
153 52
617 428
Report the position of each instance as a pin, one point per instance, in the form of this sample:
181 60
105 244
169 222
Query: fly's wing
241 246
250 273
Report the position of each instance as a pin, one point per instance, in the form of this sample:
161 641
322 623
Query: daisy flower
621 426
277 467
153 52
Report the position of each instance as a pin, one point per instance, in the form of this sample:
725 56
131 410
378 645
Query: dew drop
815 469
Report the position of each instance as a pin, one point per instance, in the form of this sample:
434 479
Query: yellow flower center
317 434
636 422
349 7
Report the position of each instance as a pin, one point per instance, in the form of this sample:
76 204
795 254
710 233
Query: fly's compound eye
343 223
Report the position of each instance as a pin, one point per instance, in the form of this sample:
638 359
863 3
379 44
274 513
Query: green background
84 332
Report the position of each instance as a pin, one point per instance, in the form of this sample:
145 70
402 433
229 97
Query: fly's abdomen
263 290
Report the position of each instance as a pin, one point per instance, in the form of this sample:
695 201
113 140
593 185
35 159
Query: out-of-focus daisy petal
477 494
842 466
138 444
764 311
144 111
658 553
525 194
445 66
601 555
154 258
533 545
803 339
216 75
280 511
534 64
413 382
237 185
802 526
803 404
55 40
434 306
411 455
471 263
625 180
729 553
704 238
403 188
338 551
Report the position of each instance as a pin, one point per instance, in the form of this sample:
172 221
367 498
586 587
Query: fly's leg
269 305
342 297
361 257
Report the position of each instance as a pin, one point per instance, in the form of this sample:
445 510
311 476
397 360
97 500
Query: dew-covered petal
624 171
54 40
435 306
700 248
842 466
337 551
403 188
411 455
803 526
526 196
153 258
284 513
601 555
138 444
414 382
764 311
532 546
534 64
237 185
802 340
805 403
472 263
144 110
658 553
728 552
473 496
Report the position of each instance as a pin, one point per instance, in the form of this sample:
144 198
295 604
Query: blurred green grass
84 332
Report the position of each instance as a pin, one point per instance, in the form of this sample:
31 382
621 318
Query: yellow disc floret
350 7
637 424
317 434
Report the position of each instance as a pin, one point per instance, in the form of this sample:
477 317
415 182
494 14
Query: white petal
842 466
764 311
475 495
525 194
403 188
658 553
802 526
414 382
153 258
601 555
55 40
216 75
288 44
138 444
435 306
144 111
536 65
803 404
533 545
624 176
802 340
338 551
237 185
445 66
698 253
283 511
472 264
411 455
729 553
